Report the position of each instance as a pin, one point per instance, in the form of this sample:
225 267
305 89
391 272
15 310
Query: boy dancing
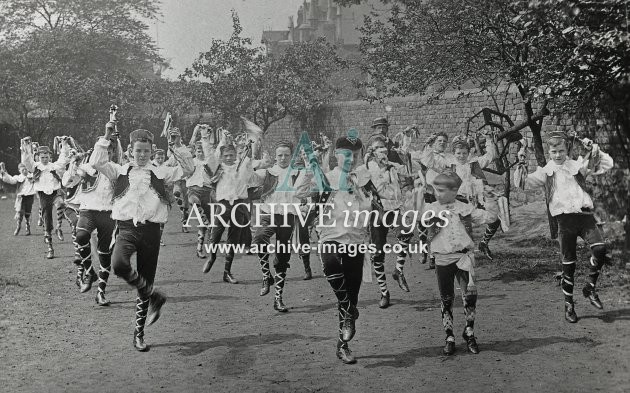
159 157
435 147
470 171
343 267
47 178
96 193
452 247
179 188
273 220
384 177
199 184
564 181
24 195
229 183
140 204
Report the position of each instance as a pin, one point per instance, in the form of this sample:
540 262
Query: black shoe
184 229
87 282
229 278
279 306
569 312
449 348
156 301
267 282
344 353
589 292
59 233
425 256
485 250
471 343
348 329
355 312
201 255
400 278
432 263
78 280
138 343
17 230
308 274
100 299
28 230
209 263
384 302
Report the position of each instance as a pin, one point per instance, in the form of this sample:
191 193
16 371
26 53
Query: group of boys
128 204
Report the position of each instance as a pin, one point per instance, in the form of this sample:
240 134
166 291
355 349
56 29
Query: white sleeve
100 160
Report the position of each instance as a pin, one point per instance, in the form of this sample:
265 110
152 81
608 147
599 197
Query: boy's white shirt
46 183
438 162
341 233
26 184
453 237
140 203
386 182
568 196
99 198
199 177
233 185
279 197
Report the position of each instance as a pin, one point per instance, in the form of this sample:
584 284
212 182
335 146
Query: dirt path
220 337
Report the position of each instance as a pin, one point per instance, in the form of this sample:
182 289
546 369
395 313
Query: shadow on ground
241 353
515 347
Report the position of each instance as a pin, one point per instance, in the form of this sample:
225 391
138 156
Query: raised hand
110 129
204 130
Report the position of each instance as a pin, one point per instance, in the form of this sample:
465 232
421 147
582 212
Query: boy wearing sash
452 247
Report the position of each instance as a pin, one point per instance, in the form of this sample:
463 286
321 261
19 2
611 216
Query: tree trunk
536 128
537 141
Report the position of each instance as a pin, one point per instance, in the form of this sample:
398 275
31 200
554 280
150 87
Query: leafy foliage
428 47
589 69
234 78
63 62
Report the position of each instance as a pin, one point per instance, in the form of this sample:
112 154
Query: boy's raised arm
100 157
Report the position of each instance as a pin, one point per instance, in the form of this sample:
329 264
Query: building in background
338 24
321 18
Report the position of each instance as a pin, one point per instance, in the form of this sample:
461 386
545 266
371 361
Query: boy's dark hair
448 179
460 144
377 138
283 143
225 148
441 133
554 138
557 140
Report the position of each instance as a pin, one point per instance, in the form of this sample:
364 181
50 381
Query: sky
188 26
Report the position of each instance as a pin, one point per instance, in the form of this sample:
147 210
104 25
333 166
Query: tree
589 76
439 45
304 77
234 79
589 72
63 62
227 75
